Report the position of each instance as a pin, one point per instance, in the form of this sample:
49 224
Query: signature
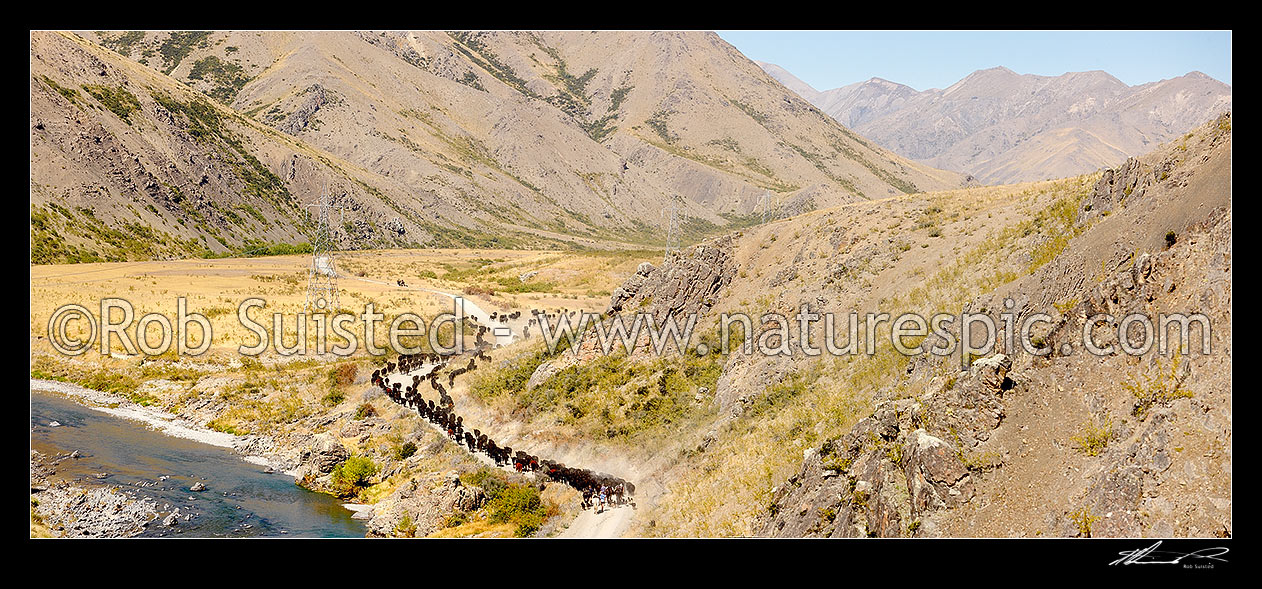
1151 555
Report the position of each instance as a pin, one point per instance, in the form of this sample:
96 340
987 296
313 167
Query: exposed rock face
858 263
689 282
1011 441
418 508
320 456
886 474
1127 493
630 288
1122 496
936 478
301 117
1127 181
542 374
1006 127
1134 178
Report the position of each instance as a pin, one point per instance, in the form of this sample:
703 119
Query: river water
240 499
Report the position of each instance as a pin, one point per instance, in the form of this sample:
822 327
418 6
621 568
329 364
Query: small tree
351 476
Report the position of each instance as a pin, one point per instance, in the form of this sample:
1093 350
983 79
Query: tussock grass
1093 437
1083 520
611 397
1160 388
723 490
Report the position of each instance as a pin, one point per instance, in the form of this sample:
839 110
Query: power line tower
322 275
769 207
673 236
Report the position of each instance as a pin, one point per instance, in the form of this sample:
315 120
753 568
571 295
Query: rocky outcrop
1134 178
301 117
936 478
541 374
1130 180
688 282
889 472
73 511
321 454
419 507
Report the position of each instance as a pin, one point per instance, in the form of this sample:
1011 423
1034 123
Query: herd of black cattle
598 489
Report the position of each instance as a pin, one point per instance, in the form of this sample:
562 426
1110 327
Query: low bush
405 451
353 475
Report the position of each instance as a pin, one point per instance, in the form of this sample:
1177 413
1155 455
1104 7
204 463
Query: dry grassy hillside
129 164
713 440
478 139
737 444
1069 444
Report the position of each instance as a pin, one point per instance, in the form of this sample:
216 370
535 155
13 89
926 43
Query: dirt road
610 524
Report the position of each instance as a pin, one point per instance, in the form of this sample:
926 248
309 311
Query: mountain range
1000 126
176 143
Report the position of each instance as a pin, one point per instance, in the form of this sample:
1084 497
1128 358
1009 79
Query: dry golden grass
958 244
988 239
478 527
269 395
215 288
39 529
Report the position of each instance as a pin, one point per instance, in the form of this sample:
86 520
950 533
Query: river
240 500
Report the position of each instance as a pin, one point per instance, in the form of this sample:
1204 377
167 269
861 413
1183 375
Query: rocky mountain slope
1001 126
1004 442
1065 444
430 138
129 164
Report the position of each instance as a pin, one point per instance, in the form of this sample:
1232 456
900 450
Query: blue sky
937 59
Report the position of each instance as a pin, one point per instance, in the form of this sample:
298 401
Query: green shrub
228 78
351 476
406 528
340 376
455 518
520 505
117 100
334 398
492 482
1093 437
405 451
1083 519
68 93
365 411
178 45
1157 390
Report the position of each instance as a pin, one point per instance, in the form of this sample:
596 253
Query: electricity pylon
672 228
322 275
